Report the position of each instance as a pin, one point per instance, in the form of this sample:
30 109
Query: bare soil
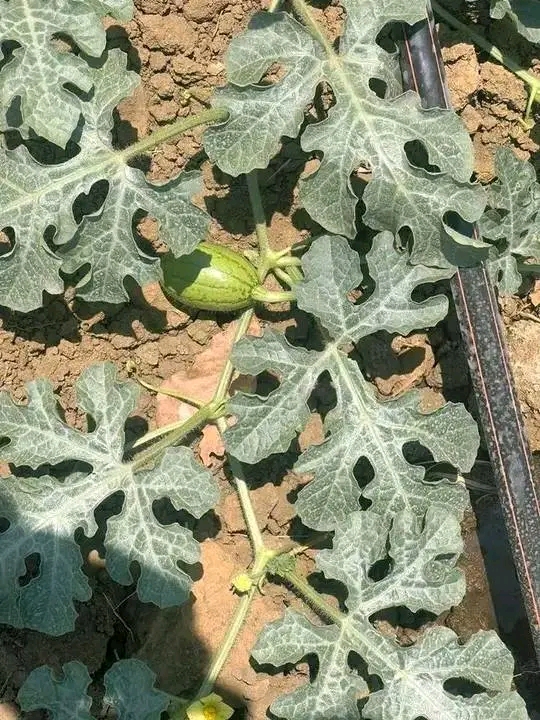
178 46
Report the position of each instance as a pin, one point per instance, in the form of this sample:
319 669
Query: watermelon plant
373 269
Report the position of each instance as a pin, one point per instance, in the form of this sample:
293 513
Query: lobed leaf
390 306
361 130
65 698
37 197
38 71
360 425
44 512
512 222
422 576
129 688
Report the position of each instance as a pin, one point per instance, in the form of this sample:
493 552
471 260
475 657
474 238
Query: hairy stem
261 294
244 498
283 567
284 276
295 273
171 393
155 451
227 644
214 115
228 371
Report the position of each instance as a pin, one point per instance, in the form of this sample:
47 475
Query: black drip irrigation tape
483 338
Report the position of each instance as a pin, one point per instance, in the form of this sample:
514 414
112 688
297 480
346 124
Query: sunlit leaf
362 130
39 69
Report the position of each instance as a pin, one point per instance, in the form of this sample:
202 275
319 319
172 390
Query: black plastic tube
483 338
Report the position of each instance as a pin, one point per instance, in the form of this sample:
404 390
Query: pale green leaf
360 426
129 689
524 13
512 222
422 575
361 130
65 697
389 308
36 197
44 513
39 70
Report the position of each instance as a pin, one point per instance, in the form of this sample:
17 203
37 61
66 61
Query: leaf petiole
206 117
284 567
172 437
170 393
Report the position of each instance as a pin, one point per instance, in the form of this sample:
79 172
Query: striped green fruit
212 277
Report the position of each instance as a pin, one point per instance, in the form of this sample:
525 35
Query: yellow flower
210 707
242 583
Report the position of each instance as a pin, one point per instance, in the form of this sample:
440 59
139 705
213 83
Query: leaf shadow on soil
114 623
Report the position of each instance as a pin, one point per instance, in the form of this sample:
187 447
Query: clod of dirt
475 612
503 86
154 296
187 71
462 72
163 85
170 34
312 434
164 112
133 113
399 367
523 342
202 10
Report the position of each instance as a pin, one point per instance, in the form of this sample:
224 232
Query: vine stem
260 224
206 117
310 596
228 371
220 658
528 78
274 6
228 642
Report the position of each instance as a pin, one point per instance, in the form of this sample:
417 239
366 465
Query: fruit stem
531 80
261 294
